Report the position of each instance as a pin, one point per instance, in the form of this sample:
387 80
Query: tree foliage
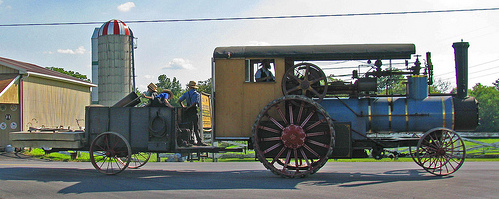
70 73
488 98
164 82
205 86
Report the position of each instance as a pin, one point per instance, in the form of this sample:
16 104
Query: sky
184 49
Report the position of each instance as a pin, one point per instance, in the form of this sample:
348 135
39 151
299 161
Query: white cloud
79 50
178 64
126 6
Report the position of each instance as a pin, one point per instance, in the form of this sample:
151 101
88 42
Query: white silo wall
115 62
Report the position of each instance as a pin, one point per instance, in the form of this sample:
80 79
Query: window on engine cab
260 70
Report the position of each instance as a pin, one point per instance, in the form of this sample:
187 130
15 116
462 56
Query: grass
249 155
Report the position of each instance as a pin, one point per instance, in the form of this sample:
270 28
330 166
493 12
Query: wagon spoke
272 147
316 134
296 160
298 119
298 87
317 143
269 129
276 122
288 157
306 158
315 124
278 155
307 119
311 150
271 139
282 115
291 119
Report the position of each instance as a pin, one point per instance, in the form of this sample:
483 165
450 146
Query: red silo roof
114 27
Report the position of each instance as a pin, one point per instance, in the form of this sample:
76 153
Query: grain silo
115 62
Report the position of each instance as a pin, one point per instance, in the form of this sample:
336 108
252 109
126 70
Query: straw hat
192 84
170 93
152 87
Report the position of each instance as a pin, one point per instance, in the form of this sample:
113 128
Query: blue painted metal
416 112
392 114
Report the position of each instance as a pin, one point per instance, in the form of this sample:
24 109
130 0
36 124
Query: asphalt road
32 178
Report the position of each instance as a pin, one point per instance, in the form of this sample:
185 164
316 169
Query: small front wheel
441 151
107 152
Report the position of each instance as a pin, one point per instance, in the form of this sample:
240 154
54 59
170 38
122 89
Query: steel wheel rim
305 79
441 151
295 152
106 152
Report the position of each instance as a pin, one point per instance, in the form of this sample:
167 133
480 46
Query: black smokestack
461 58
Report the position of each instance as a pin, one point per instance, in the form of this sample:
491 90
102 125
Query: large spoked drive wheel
305 79
138 160
441 151
293 136
107 152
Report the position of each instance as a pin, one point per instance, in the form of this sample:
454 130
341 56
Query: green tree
488 98
205 86
393 84
70 73
440 86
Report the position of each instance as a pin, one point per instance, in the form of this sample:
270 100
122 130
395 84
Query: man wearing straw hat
164 96
152 92
192 99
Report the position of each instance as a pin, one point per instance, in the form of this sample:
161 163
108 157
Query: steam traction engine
317 119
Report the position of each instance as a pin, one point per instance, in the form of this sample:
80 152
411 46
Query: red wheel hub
293 136
441 152
110 153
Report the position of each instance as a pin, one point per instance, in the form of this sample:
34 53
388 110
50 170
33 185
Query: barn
32 96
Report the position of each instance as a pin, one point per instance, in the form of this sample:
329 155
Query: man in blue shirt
192 99
164 96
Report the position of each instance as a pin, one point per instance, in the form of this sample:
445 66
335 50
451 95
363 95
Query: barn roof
320 52
32 69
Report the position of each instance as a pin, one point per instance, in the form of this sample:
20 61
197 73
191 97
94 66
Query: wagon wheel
305 79
138 160
441 151
107 152
293 136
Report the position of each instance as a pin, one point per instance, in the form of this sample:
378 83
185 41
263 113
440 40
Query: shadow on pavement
89 180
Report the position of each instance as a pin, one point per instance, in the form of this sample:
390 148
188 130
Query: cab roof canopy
320 52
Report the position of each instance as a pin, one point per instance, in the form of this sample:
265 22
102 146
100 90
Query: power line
469 67
255 18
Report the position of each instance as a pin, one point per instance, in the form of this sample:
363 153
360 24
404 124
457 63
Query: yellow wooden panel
229 78
49 103
11 95
237 102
